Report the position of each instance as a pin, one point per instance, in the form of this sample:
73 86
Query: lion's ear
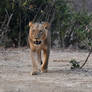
30 24
46 25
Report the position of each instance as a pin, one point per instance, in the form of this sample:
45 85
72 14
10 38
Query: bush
70 27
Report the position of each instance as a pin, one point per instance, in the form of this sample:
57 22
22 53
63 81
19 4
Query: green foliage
63 13
75 64
62 20
23 12
66 19
82 27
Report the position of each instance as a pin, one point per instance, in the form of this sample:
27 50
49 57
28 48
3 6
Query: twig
87 58
7 12
9 19
4 22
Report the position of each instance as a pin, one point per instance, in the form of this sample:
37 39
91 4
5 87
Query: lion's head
38 32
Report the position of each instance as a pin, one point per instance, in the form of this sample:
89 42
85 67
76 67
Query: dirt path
15 68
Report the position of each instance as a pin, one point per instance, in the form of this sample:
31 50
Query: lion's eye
33 31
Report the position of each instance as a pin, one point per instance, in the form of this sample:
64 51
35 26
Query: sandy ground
16 67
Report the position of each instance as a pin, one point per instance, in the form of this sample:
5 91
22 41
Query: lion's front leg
39 57
45 61
35 69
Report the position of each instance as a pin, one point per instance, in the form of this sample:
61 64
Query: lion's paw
35 73
44 70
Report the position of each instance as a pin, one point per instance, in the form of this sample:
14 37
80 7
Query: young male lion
39 40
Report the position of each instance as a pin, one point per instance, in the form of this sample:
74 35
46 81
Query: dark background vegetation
70 25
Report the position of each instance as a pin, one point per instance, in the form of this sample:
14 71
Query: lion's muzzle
37 42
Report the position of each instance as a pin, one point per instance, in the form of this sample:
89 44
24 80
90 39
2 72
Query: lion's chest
38 47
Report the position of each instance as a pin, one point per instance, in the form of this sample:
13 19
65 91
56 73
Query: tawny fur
39 40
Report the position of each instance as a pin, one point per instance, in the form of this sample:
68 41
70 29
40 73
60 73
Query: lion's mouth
37 42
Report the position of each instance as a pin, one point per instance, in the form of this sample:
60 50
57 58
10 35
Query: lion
39 41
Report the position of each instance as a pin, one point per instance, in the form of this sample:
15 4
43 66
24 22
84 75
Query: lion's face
38 32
